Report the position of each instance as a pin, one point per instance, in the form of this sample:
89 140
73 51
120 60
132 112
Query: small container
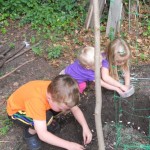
129 92
26 43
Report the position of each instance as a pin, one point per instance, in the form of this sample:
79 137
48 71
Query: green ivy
5 124
54 52
147 31
55 15
37 50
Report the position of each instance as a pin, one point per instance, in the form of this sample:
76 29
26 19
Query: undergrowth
5 125
44 15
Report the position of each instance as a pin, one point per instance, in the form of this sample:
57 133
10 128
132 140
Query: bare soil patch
42 69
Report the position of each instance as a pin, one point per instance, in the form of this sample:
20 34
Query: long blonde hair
117 50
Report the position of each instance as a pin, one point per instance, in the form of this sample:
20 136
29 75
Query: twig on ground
22 52
10 55
7 74
5 51
4 141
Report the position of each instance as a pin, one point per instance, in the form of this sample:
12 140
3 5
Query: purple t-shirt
105 62
81 74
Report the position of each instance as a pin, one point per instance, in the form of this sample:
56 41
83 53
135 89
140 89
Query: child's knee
82 87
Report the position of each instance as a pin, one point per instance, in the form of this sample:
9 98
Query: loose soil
42 69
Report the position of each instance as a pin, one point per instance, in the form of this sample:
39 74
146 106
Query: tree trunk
98 106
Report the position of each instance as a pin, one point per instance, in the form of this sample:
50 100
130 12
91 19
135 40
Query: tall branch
98 106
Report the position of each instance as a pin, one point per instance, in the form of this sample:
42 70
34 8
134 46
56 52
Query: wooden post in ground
89 19
98 106
114 17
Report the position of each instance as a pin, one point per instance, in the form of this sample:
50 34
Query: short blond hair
64 89
86 57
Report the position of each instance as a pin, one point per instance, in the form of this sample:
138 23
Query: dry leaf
139 40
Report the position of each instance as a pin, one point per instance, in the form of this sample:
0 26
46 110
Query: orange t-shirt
31 98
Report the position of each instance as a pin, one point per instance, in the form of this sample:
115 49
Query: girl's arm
44 135
87 135
108 79
111 87
127 77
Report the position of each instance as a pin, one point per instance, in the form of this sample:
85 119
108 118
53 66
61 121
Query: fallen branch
22 52
5 52
4 141
10 55
7 74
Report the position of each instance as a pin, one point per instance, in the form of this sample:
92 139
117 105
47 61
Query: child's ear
48 95
88 67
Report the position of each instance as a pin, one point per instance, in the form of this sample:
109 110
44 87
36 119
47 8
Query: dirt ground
41 69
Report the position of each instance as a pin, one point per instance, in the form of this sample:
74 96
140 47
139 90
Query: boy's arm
109 80
44 135
87 135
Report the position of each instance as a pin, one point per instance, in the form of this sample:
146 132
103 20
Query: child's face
120 61
57 106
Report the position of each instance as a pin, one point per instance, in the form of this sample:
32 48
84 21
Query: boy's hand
87 136
75 146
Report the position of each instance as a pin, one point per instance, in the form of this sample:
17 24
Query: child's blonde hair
64 89
86 57
117 51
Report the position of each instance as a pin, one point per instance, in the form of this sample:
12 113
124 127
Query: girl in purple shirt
83 70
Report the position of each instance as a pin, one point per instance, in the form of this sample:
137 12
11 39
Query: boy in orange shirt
28 106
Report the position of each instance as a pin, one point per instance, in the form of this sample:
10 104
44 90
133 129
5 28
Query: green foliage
11 45
77 41
59 16
3 30
6 125
54 52
37 50
143 56
102 28
32 40
147 32
111 34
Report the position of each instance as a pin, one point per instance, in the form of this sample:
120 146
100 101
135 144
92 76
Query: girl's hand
124 88
75 146
119 91
87 136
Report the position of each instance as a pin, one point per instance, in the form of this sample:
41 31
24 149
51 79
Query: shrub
54 15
